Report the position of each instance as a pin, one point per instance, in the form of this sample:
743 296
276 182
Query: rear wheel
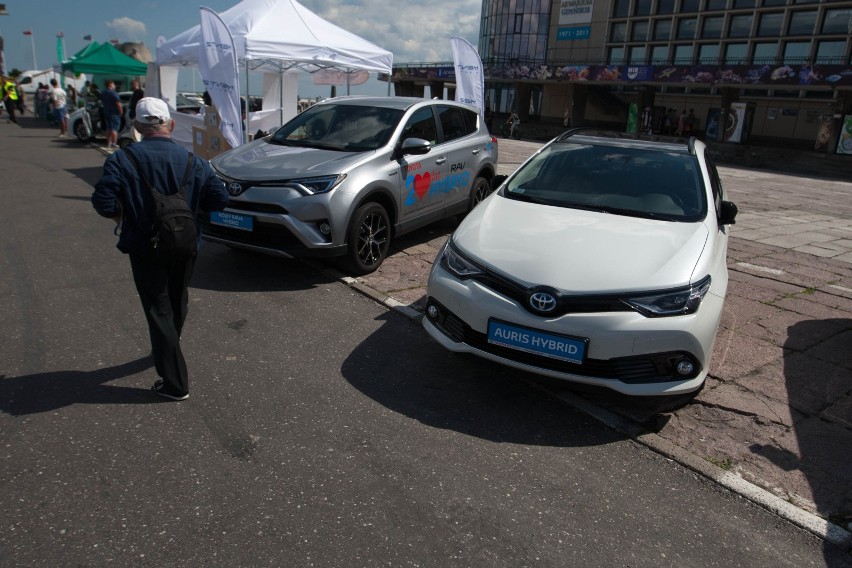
368 239
80 131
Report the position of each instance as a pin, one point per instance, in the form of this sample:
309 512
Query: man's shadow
41 392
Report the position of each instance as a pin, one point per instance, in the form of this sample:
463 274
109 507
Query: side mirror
728 213
497 181
413 146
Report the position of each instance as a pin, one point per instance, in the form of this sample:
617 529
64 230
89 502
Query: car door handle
476 151
441 161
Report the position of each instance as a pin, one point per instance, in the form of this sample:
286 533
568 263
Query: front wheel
368 239
80 131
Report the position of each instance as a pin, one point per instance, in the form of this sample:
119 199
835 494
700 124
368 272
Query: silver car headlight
314 185
671 303
457 264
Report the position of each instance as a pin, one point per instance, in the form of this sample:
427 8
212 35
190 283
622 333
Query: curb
814 524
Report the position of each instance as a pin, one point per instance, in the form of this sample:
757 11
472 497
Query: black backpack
174 232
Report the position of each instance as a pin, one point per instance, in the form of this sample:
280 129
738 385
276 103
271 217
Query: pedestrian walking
59 101
42 97
124 194
137 95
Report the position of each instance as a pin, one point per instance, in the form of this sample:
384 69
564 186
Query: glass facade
514 30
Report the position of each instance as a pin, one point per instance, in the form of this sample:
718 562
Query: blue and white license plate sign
232 220
553 345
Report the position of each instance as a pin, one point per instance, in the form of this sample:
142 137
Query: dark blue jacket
163 162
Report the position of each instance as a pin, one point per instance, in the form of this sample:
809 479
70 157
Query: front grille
638 369
257 207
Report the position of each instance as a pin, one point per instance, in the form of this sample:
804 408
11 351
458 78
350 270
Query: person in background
59 102
72 97
111 105
42 98
137 95
10 98
121 195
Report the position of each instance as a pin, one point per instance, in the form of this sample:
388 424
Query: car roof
671 144
401 103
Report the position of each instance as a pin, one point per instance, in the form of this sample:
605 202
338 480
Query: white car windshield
619 179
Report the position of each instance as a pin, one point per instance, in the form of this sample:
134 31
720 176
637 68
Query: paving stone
837 349
839 412
737 355
734 397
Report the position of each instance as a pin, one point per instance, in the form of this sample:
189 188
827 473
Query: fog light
432 311
325 228
685 367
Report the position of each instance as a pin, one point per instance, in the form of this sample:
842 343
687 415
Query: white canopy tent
279 38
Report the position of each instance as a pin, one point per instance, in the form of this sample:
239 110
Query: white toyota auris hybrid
601 260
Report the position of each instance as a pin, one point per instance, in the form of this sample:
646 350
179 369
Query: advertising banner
217 63
844 143
575 12
470 79
735 122
826 126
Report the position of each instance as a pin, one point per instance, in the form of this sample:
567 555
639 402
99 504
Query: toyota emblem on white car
542 302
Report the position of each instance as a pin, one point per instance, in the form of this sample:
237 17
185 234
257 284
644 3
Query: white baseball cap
151 110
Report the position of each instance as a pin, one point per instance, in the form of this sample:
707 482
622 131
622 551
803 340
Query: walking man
123 195
59 99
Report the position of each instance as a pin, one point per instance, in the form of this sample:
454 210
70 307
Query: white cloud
127 29
413 31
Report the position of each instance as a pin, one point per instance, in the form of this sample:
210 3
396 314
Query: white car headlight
673 303
456 263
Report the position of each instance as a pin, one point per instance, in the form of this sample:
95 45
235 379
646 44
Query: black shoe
160 389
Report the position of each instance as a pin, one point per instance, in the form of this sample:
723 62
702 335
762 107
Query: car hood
260 160
580 251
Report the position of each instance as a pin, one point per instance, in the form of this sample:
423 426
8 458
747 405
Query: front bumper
627 352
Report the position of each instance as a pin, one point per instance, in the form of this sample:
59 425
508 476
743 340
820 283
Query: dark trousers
10 108
163 289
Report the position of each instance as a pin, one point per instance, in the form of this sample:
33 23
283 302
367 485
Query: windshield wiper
527 198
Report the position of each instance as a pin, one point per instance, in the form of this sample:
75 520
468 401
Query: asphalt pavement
352 439
774 421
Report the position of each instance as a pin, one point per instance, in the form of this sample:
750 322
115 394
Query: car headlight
311 186
457 264
671 303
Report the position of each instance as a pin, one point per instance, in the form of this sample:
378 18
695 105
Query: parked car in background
87 123
347 175
601 260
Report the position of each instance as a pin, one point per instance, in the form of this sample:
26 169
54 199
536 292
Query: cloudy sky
414 31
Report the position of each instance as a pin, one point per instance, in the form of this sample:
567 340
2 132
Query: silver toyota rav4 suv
348 174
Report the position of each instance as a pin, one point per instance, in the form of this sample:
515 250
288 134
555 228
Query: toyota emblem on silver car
234 188
543 302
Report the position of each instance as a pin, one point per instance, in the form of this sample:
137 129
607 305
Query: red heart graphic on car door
421 184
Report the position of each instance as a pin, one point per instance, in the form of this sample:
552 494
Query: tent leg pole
245 126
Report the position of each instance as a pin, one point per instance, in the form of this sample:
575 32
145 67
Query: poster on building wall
844 143
826 125
575 12
735 122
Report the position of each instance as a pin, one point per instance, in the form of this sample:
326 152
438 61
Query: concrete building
757 71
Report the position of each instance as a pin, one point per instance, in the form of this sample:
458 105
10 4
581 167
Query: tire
80 131
368 239
479 191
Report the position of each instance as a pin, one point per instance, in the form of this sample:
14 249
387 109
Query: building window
774 2
837 22
637 55
662 30
659 54
712 27
689 6
665 6
796 52
831 52
765 52
683 55
736 53
618 33
716 4
620 8
802 23
708 54
640 31
616 55
806 1
642 8
740 26
686 28
770 24
519 23
743 4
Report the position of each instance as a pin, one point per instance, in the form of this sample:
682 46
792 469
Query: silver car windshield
622 180
342 127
